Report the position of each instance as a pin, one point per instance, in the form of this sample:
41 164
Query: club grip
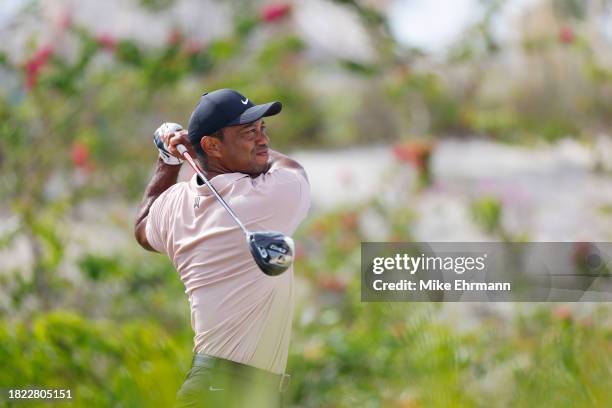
181 149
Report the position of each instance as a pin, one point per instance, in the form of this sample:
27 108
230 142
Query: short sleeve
157 223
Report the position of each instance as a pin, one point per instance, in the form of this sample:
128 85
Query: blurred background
464 120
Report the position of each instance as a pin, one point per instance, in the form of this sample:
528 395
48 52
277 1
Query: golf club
273 251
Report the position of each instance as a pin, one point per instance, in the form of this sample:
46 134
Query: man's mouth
262 153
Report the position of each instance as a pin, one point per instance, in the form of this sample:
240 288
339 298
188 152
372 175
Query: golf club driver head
273 251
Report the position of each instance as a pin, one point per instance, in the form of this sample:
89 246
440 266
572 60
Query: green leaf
99 268
128 52
360 68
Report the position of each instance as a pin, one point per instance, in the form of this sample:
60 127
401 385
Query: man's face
244 148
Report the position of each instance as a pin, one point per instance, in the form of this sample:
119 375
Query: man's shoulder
282 187
283 175
178 188
172 193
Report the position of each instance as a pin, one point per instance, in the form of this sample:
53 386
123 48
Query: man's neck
214 169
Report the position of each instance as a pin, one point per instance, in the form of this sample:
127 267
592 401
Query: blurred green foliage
103 363
403 355
487 212
346 353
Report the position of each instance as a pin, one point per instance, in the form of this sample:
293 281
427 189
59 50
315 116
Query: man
240 316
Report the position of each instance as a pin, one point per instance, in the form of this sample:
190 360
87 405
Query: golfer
241 317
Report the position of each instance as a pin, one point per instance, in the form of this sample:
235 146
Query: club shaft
183 151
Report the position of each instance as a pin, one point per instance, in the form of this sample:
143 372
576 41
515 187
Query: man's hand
166 138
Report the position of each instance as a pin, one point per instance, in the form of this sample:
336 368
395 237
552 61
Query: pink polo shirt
237 312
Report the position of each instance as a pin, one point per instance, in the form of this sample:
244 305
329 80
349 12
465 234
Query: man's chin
261 165
258 169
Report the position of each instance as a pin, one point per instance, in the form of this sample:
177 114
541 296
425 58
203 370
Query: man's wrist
170 160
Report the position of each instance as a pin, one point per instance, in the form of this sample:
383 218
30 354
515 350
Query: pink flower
274 12
415 152
331 284
350 220
566 35
581 251
563 313
43 54
80 155
106 41
35 64
175 37
66 20
193 47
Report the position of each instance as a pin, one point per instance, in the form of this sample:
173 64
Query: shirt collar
219 182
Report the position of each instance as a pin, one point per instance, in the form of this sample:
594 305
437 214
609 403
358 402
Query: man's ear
211 146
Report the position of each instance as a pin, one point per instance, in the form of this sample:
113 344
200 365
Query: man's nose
262 137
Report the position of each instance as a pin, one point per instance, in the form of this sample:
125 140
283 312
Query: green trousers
213 382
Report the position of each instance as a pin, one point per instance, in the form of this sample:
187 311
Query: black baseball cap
225 107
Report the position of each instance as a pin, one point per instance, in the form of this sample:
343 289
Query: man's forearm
164 177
